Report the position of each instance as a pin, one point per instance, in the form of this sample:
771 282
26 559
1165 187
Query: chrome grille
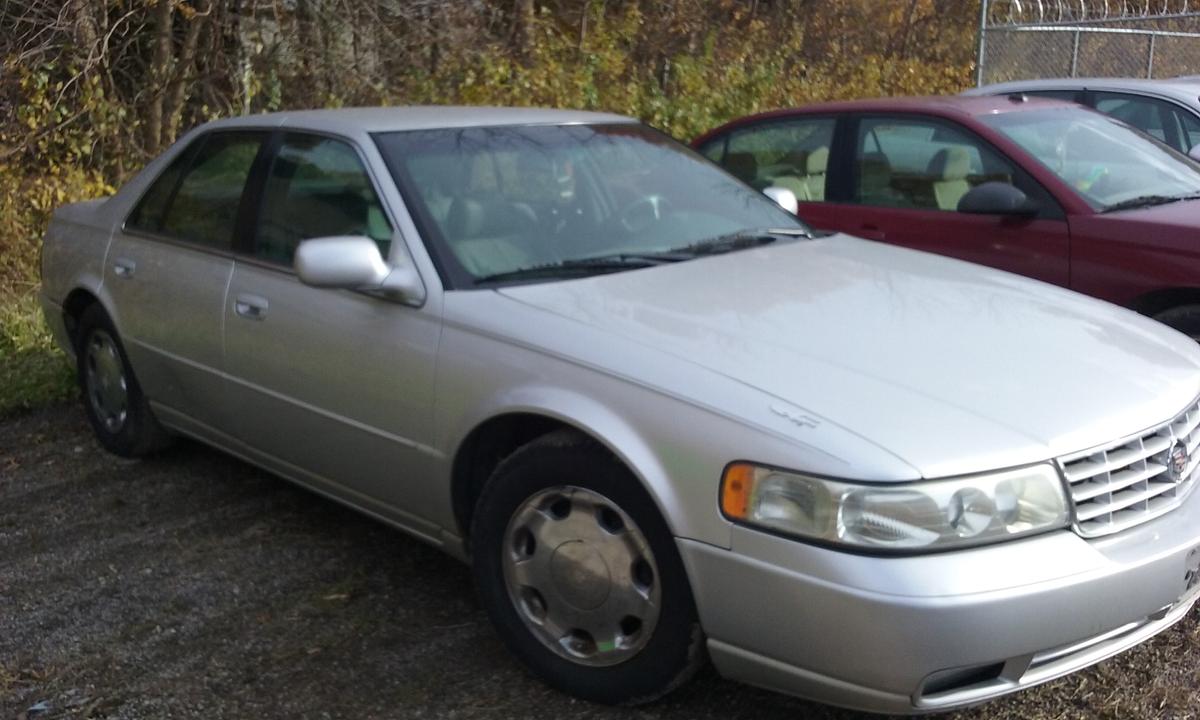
1130 482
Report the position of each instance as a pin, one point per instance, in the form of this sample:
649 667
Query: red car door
1037 248
907 176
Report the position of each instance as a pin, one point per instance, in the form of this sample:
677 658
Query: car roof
414 117
950 105
1186 89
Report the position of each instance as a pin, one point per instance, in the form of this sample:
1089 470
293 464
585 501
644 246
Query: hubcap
581 576
105 375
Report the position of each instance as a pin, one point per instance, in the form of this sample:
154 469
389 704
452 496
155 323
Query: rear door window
791 154
148 215
205 204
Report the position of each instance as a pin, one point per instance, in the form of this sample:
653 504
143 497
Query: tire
654 650
1185 319
112 398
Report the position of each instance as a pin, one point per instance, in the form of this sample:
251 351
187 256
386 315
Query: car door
903 177
168 268
334 386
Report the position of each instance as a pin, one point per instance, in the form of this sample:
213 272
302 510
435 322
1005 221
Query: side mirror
1194 153
784 198
997 198
353 262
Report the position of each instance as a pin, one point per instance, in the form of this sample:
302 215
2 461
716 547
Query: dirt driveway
194 586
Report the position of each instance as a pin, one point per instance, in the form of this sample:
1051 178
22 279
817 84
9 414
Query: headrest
951 163
742 165
818 161
468 219
464 219
797 159
876 170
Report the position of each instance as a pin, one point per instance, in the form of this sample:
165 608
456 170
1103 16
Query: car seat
875 181
814 180
487 236
949 169
743 166
789 173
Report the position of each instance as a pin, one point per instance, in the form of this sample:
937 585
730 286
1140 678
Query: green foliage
729 74
33 371
80 123
54 168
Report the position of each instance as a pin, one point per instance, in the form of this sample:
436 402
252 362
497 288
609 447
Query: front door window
316 187
921 164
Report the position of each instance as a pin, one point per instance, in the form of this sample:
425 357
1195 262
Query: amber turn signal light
737 486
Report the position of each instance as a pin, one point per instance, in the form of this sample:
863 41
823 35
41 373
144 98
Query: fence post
1150 60
979 54
1075 56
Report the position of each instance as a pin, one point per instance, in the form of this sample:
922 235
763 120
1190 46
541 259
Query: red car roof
950 105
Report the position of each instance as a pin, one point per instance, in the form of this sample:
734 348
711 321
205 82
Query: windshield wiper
738 241
1145 201
616 262
580 267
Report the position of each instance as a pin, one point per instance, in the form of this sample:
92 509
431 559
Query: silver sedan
663 420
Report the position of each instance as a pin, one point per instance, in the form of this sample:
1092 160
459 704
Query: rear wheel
113 400
581 576
1185 319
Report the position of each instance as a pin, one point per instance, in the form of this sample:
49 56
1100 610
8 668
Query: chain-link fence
1028 39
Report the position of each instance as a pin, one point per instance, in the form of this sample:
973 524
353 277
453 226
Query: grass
33 371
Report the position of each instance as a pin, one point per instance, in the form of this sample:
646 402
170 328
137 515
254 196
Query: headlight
925 515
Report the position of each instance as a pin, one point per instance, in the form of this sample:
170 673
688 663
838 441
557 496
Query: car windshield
539 202
1110 165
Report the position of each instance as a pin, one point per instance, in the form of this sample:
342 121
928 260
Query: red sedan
1042 188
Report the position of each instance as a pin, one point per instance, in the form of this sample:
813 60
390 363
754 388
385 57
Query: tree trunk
86 33
310 47
523 20
185 65
159 72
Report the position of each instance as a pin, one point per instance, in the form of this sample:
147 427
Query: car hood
952 367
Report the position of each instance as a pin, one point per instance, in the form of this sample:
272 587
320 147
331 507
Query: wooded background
90 89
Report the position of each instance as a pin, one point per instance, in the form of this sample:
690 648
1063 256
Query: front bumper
930 633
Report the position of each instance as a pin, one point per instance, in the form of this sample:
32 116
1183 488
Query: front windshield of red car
1108 163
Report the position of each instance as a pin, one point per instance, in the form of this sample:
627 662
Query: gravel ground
192 585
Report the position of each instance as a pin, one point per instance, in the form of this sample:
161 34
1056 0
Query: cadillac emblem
1177 462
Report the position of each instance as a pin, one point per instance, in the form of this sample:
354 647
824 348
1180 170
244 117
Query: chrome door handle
124 267
251 307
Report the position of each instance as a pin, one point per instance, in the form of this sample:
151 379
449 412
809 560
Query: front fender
607 426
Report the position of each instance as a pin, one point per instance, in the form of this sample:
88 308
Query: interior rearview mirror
353 262
784 198
997 198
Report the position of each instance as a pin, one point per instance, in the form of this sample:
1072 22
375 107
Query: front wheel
581 576
118 412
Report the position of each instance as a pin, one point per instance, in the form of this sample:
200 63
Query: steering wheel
644 212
